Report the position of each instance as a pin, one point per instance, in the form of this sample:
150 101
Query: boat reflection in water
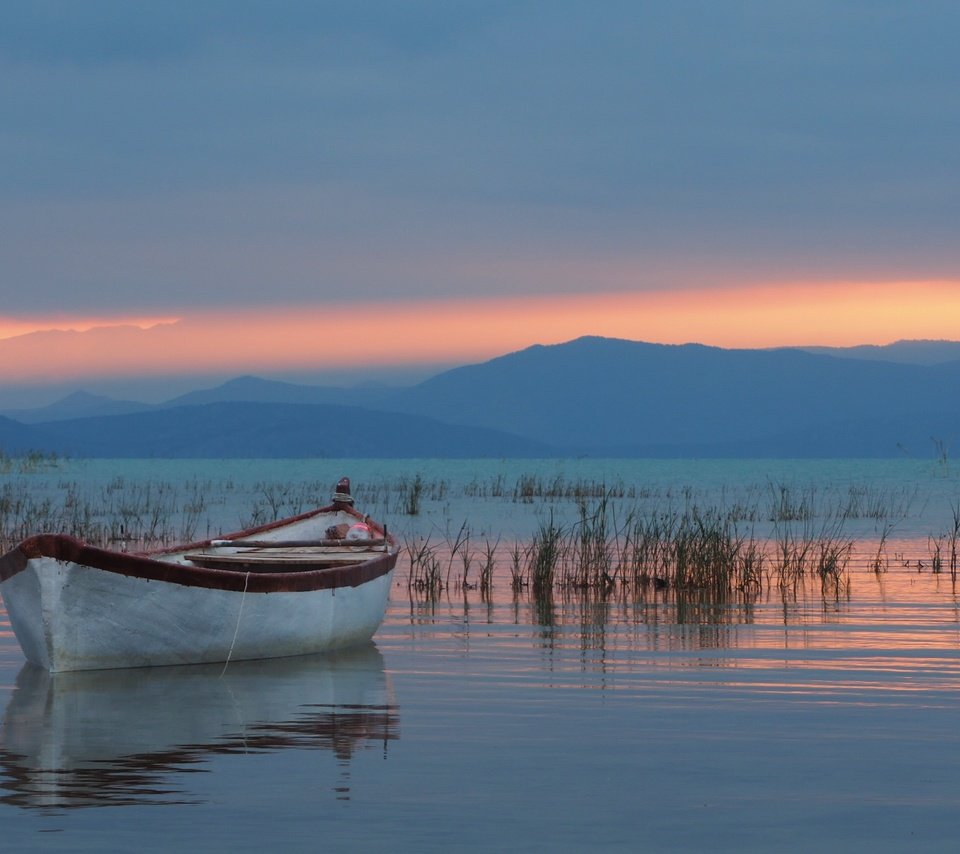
123 737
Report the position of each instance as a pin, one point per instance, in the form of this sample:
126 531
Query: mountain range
591 396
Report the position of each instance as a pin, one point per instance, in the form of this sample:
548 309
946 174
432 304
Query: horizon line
396 376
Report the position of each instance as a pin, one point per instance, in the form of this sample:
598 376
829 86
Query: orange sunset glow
423 332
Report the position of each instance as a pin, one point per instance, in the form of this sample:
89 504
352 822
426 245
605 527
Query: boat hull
312 583
71 616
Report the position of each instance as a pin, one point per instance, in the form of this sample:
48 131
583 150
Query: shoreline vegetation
592 538
706 552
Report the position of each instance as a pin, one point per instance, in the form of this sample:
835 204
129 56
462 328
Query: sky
376 186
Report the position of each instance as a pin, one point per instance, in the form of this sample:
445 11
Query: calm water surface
660 724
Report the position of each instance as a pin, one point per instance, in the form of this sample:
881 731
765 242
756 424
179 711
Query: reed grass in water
609 546
702 551
121 515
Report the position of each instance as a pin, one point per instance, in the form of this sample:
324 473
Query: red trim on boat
288 577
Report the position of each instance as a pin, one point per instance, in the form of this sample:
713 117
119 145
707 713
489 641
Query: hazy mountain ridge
250 389
18 438
79 404
596 396
235 429
910 352
592 393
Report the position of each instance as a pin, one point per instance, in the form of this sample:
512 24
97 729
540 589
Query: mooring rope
236 631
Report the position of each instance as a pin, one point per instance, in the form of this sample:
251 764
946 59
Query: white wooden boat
315 582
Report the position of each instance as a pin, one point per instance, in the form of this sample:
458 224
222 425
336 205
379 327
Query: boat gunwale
149 565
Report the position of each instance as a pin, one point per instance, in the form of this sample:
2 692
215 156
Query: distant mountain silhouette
77 405
593 396
17 438
603 396
920 352
251 389
246 389
219 430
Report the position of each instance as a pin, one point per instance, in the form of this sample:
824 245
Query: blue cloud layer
363 140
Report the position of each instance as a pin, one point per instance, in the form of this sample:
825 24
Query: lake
665 721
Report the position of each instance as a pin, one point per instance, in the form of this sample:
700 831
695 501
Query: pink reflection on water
892 632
